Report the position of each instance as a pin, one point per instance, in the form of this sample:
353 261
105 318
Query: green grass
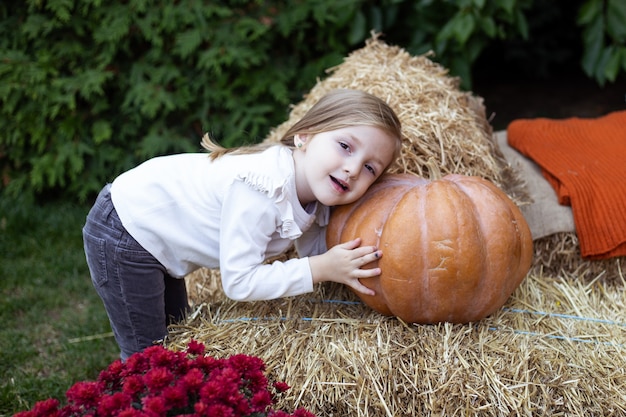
49 309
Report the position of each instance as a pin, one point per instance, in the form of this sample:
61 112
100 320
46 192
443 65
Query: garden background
89 89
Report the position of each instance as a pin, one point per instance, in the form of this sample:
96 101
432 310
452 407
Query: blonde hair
336 110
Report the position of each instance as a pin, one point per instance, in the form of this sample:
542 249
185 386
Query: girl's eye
370 169
344 145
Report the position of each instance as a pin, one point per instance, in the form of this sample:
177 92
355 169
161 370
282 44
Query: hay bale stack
445 129
557 346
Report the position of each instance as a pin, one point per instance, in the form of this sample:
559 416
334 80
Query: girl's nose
352 168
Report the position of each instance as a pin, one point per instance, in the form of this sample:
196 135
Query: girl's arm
340 264
249 220
248 224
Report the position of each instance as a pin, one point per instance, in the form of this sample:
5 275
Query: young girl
232 210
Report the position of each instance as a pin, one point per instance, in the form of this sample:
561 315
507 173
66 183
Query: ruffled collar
273 173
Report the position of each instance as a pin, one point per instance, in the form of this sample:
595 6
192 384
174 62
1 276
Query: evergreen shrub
90 88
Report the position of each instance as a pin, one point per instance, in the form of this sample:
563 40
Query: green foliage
90 88
456 31
604 38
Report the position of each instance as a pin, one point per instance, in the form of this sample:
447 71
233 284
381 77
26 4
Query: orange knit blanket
585 161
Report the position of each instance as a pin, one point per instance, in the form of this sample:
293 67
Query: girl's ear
300 140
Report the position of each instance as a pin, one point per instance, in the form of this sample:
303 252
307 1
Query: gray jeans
140 298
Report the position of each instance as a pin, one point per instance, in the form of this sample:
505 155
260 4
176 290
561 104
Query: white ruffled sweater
232 213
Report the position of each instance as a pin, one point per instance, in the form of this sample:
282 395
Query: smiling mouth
341 184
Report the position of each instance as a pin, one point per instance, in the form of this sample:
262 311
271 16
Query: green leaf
376 18
460 27
61 8
461 68
114 27
188 41
521 24
464 27
616 20
507 5
479 4
474 48
36 25
589 11
357 29
101 131
613 63
593 37
488 25
600 69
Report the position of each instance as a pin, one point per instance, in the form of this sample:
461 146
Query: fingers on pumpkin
371 256
362 288
353 244
370 272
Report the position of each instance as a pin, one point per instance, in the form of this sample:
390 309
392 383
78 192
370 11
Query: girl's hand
343 263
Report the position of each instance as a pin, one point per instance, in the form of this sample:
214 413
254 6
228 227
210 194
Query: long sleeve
249 234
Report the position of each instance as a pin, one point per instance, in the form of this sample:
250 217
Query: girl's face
337 167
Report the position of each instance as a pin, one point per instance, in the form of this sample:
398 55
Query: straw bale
445 129
560 253
557 347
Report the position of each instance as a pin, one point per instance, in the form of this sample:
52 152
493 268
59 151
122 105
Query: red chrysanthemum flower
195 348
162 382
84 394
158 356
49 407
218 410
154 404
207 363
260 401
246 364
131 412
281 386
192 380
175 397
110 378
136 364
111 405
133 385
158 378
214 390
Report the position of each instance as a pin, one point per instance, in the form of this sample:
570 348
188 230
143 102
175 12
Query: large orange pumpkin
454 249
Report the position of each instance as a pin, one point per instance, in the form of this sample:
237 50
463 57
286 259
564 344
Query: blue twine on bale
505 309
